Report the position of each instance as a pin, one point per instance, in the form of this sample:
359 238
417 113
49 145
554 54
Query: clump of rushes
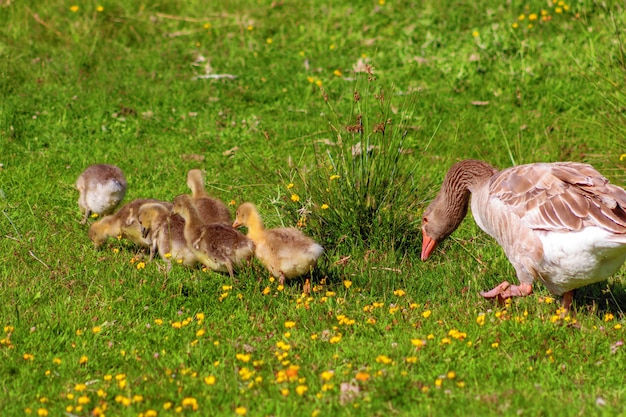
362 192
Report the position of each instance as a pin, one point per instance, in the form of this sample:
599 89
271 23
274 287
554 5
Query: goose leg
505 290
567 301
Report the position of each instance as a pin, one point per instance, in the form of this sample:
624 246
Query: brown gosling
219 247
286 252
211 210
101 189
123 223
166 231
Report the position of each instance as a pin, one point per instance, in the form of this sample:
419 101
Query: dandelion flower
210 380
269 40
347 283
385 360
190 402
241 411
475 34
99 9
426 314
295 198
83 360
96 329
290 185
362 376
290 324
337 73
324 206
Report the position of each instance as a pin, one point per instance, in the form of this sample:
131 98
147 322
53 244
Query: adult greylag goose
101 188
123 223
217 246
560 223
166 232
210 210
286 252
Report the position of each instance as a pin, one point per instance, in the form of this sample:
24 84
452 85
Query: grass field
261 95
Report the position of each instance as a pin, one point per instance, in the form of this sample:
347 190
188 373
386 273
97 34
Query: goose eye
424 220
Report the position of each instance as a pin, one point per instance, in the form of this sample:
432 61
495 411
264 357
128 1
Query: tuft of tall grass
363 191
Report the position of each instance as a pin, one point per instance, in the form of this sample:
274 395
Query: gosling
166 232
219 247
211 210
123 223
286 252
101 189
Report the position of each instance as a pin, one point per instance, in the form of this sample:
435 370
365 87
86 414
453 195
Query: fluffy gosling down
101 189
286 252
210 210
122 223
166 232
219 247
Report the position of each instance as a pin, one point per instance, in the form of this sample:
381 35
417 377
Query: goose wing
562 196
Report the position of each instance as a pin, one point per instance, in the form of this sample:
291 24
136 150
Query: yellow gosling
166 232
286 252
122 223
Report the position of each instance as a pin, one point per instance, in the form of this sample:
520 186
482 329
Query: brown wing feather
562 196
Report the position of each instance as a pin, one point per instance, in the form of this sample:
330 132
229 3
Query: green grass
120 86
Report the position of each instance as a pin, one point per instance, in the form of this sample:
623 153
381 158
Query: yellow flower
295 198
74 9
141 265
80 387
418 342
475 34
190 402
241 411
301 389
327 375
290 324
290 185
532 16
83 360
362 376
411 359
480 319
243 357
385 360
324 206
99 9
96 329
337 73
42 412
347 283
558 10
28 357
495 345
334 177
399 293
269 40
83 399
335 339
207 26
451 375
426 314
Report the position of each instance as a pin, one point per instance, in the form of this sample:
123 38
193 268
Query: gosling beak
237 224
144 232
428 246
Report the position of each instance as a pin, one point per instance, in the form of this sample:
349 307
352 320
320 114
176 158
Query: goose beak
428 246
236 224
